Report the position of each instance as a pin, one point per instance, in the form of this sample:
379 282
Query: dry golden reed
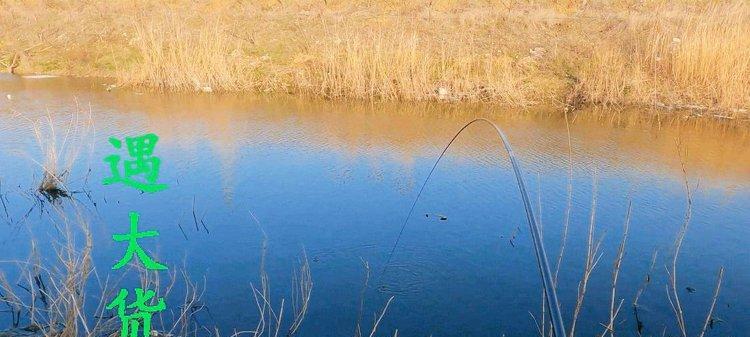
625 52
700 57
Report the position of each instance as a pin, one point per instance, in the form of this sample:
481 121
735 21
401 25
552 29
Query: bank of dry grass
518 53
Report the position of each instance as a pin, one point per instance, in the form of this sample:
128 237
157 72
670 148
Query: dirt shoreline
739 117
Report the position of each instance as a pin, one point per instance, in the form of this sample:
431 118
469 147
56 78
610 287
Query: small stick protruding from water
709 316
195 218
5 208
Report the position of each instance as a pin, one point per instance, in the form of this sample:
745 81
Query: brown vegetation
625 52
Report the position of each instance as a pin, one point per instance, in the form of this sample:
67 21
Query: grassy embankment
693 54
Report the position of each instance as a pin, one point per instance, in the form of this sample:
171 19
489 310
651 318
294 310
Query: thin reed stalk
710 314
365 283
593 255
642 289
568 201
271 317
614 308
672 293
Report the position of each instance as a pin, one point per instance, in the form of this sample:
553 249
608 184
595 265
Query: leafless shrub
60 150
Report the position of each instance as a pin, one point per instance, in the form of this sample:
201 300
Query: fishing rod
541 255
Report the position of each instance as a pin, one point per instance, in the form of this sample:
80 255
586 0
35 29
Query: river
335 181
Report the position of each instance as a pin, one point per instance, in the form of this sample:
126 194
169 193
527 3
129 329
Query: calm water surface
335 181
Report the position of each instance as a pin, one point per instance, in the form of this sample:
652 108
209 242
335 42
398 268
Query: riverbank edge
685 111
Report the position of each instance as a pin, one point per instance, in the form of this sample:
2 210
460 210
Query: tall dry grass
662 52
403 66
698 57
60 143
174 56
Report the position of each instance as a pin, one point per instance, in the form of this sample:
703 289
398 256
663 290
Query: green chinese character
142 312
144 164
134 248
